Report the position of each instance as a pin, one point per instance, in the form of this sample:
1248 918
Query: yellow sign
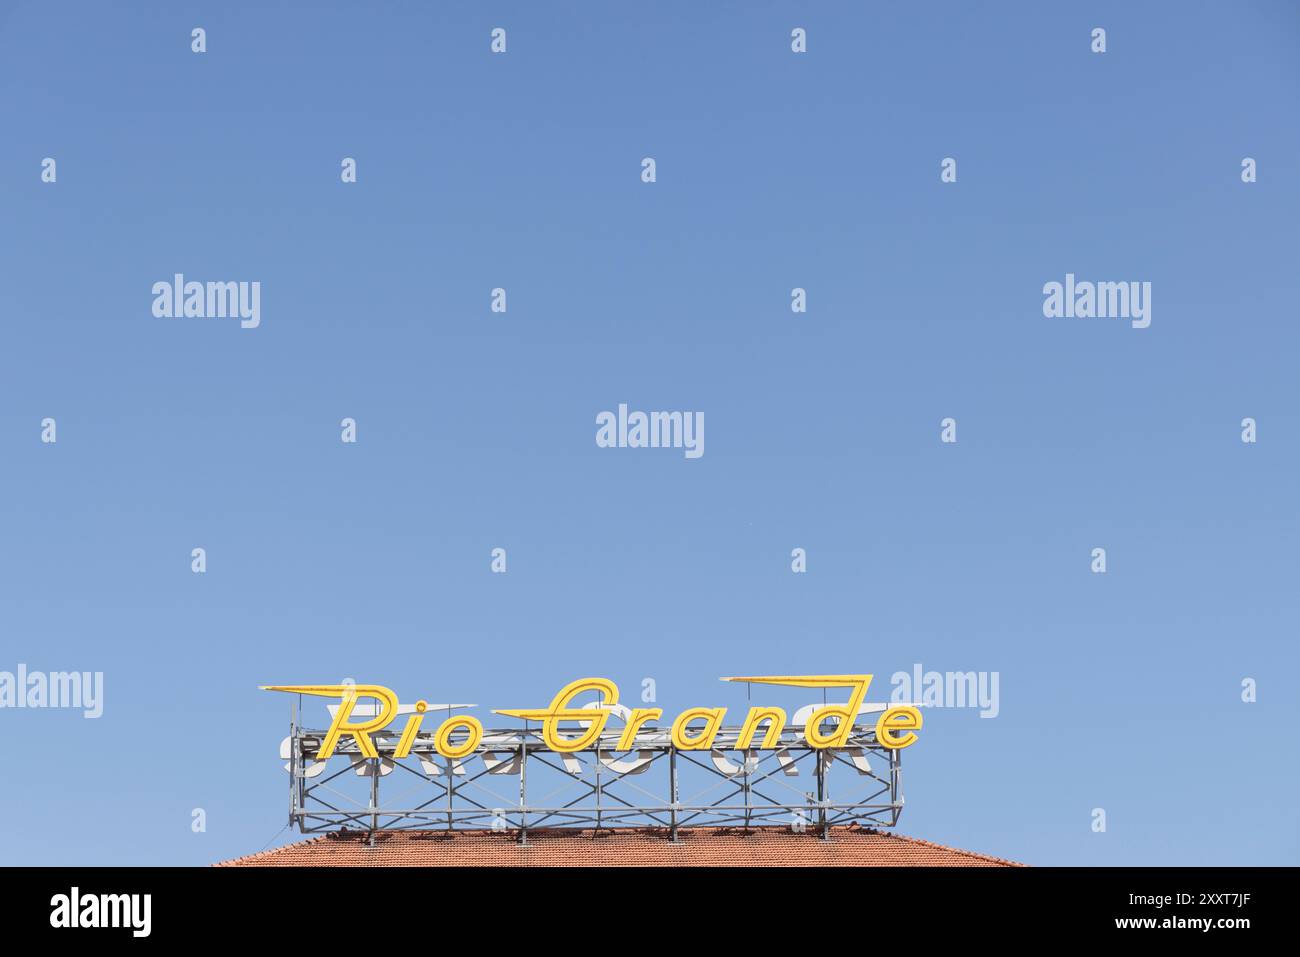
895 728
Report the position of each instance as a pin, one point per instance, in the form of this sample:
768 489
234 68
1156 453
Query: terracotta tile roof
761 847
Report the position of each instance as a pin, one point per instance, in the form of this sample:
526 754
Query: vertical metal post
672 792
744 758
821 794
523 789
598 786
451 790
896 779
374 798
451 785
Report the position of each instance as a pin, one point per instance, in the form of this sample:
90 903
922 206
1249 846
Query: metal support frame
596 788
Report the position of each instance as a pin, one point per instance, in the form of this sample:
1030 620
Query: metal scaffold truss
513 782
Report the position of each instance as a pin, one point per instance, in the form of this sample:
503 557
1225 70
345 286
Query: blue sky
476 430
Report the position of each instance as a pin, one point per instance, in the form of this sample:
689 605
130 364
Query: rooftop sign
694 729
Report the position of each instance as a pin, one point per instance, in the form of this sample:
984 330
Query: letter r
342 724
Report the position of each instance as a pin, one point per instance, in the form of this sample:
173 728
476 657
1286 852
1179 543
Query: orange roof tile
704 846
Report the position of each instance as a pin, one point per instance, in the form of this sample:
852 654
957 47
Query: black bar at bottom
315 906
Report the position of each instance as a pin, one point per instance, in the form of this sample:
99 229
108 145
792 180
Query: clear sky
476 430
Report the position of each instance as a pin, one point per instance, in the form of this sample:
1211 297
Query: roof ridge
942 847
400 840
271 852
